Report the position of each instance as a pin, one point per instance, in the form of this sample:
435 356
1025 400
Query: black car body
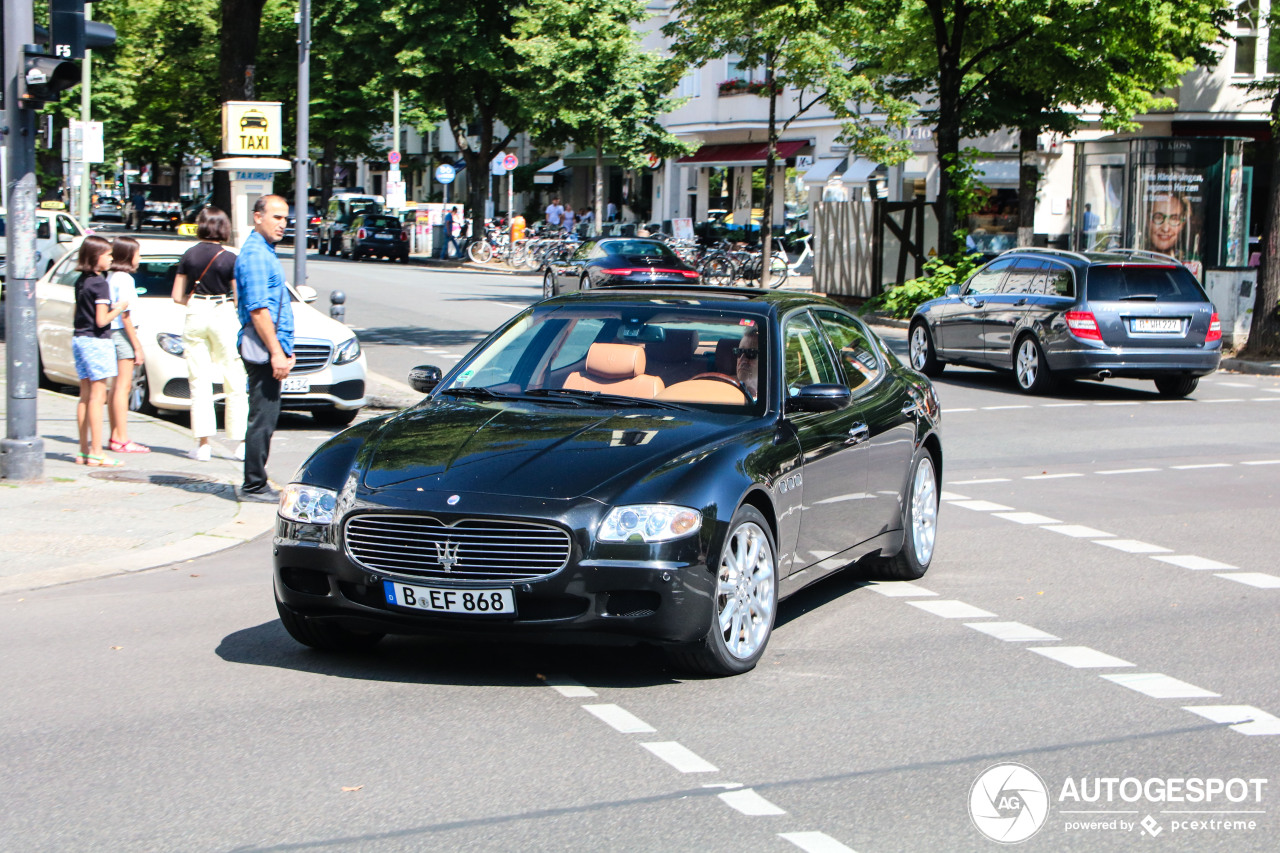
595 470
344 207
616 260
1043 314
312 229
376 235
153 204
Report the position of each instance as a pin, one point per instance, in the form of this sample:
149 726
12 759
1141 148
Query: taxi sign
251 127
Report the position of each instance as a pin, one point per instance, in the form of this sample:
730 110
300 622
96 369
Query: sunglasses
739 352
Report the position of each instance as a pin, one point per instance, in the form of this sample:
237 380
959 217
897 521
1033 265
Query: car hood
158 313
553 452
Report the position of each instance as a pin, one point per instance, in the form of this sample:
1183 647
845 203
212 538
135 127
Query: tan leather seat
615 369
673 357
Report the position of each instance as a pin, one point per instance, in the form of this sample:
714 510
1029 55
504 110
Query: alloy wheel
924 510
1028 363
746 593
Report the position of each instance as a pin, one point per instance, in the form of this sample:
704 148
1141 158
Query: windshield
638 248
668 354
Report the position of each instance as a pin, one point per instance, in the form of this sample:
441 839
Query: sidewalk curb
1257 368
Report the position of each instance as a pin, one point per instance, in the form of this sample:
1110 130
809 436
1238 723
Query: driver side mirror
820 397
952 290
425 377
307 292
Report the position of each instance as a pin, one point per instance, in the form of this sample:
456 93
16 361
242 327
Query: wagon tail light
1083 325
1215 329
360 235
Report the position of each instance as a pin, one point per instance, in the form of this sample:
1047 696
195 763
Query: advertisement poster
1170 209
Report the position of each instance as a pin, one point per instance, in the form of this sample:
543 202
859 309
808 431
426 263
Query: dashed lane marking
1133 546
1000 408
750 803
1157 685
1080 657
681 758
1256 579
951 496
623 721
1064 405
981 506
1245 719
1263 461
1201 465
1078 531
1128 471
1118 403
899 589
1026 518
951 609
1051 476
1012 632
1191 561
568 688
953 411
978 482
815 842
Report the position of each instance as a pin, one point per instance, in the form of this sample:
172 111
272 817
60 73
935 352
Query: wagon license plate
474 602
1157 324
295 385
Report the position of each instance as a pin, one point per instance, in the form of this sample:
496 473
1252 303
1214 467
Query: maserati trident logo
447 554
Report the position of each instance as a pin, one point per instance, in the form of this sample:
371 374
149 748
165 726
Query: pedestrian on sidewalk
266 338
91 345
566 220
206 285
450 219
124 337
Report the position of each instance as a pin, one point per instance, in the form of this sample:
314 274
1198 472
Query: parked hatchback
376 235
1043 314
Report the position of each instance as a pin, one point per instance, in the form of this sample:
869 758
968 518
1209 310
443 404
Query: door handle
858 433
974 303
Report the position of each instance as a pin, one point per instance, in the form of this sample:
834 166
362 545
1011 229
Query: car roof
1088 259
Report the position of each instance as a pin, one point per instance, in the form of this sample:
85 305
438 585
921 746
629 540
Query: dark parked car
153 204
344 207
312 225
1044 314
634 463
612 260
376 235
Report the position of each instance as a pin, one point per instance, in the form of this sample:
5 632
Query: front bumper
383 248
662 596
338 386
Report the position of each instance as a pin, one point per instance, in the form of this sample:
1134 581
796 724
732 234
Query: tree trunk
771 157
597 216
1028 183
237 54
1264 330
328 165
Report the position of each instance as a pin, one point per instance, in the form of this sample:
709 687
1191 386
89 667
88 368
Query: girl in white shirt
124 261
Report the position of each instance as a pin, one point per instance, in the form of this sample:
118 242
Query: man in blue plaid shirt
266 338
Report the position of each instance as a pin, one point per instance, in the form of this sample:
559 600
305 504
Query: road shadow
1064 390
418 336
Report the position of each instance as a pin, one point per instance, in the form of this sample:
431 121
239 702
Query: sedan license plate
295 385
1156 324
438 600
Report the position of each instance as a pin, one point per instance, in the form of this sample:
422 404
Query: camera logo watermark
1009 803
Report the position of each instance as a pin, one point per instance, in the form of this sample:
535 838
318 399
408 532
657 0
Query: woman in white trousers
206 284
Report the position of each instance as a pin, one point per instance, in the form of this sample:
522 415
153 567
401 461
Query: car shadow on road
1065 391
424 660
418 336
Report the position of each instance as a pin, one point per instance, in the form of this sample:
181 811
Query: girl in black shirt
94 352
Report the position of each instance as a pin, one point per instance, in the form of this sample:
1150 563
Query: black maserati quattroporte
635 463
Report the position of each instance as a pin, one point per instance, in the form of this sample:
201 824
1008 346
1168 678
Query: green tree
983 64
1264 328
599 88
813 47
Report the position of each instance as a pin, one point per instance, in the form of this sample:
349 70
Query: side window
857 356
1058 280
67 225
583 252
66 273
1021 279
987 279
804 356
43 230
333 209
575 345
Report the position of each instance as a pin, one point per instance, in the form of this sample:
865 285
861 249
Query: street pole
302 162
22 451
86 188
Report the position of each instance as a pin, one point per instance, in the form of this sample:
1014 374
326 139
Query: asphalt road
1101 606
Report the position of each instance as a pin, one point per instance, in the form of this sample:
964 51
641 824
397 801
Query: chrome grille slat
485 549
312 355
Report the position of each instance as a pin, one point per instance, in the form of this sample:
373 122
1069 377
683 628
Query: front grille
312 355
472 549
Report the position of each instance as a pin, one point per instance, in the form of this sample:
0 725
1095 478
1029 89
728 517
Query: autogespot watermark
1009 803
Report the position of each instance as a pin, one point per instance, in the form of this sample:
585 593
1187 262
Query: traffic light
49 72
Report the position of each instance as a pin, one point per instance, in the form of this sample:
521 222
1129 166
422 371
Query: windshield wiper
478 392
1140 297
601 398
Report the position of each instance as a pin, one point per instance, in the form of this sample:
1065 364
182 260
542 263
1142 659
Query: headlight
308 504
170 343
649 523
347 351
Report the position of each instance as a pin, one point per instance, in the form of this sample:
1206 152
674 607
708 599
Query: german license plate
1157 324
295 385
384 236
438 600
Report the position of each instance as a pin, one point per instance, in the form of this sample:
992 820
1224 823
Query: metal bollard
338 306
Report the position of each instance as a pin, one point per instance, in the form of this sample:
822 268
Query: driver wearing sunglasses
747 353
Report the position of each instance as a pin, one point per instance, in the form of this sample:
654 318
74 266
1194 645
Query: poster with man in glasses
1170 211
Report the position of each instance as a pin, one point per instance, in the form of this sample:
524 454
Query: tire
332 416
584 283
322 635
1030 367
548 285
744 603
480 251
717 272
924 357
920 524
778 271
1176 386
140 393
333 247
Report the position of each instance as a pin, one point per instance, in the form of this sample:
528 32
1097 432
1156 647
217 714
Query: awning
742 153
999 170
858 171
587 157
821 170
552 167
